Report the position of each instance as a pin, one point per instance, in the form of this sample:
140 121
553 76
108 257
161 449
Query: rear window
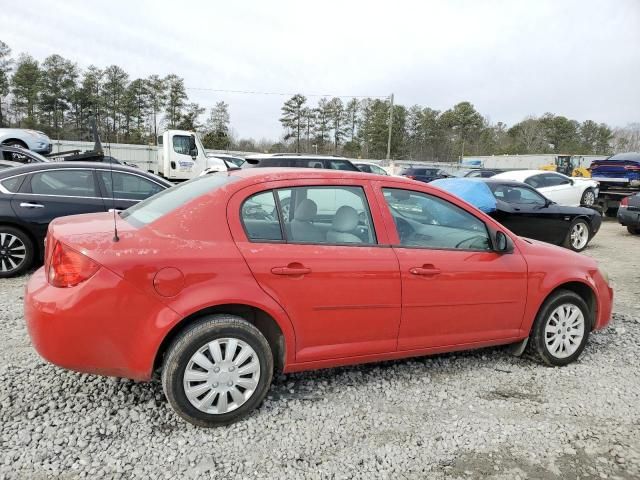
159 205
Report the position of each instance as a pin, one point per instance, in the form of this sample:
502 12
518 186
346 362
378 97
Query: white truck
181 156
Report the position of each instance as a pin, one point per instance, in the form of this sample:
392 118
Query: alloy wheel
12 252
579 236
564 330
221 376
589 198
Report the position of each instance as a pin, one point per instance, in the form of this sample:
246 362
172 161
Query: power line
253 92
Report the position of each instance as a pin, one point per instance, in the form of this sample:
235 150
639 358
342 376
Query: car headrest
345 219
306 210
512 195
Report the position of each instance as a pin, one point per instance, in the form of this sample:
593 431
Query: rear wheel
588 197
217 371
633 230
561 329
578 235
16 252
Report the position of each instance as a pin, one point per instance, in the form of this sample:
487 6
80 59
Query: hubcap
12 252
564 330
221 376
579 235
589 198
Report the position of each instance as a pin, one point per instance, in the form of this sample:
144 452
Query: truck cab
181 156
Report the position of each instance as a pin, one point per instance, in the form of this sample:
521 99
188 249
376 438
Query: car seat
344 222
302 228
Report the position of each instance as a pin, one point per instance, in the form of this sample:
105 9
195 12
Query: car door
456 291
559 188
122 190
53 193
332 272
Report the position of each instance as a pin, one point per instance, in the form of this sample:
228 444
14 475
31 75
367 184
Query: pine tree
5 70
26 84
157 88
217 127
58 84
292 118
176 99
338 122
113 92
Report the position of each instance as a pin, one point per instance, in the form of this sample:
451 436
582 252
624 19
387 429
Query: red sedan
224 279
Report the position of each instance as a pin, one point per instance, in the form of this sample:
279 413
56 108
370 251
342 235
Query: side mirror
503 243
193 149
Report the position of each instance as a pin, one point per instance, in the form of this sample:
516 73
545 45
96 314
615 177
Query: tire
217 330
16 143
548 316
633 230
578 235
16 252
588 198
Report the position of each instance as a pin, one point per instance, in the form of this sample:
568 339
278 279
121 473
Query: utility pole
390 127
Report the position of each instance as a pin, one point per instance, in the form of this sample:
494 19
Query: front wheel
588 198
561 329
633 230
578 235
217 371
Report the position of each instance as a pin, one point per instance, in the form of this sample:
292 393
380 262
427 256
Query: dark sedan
424 174
629 213
477 173
526 212
31 196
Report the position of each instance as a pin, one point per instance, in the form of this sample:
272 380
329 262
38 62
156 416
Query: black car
629 213
300 161
31 196
424 174
477 173
526 212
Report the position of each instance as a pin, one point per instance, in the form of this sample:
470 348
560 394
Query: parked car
31 196
629 213
526 212
25 138
620 170
7 164
369 167
424 174
556 186
218 310
476 173
300 161
20 155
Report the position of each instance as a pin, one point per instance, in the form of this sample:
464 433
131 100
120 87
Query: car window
378 170
423 220
12 184
260 218
536 181
517 195
128 186
159 205
342 165
363 167
474 173
181 144
306 163
69 183
326 215
553 180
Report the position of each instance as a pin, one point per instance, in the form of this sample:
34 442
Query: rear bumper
102 326
629 218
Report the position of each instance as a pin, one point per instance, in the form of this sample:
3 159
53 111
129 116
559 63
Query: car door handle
425 271
291 270
31 205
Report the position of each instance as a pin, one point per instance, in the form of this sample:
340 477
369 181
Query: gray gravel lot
469 415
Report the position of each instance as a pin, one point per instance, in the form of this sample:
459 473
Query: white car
369 167
559 188
29 139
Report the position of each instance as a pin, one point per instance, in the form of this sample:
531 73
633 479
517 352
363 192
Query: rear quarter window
12 184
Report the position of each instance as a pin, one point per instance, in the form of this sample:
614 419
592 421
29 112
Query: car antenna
113 192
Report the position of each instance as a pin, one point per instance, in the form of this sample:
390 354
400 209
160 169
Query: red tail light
68 268
624 203
633 168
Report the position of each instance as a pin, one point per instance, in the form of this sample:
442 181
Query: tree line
57 97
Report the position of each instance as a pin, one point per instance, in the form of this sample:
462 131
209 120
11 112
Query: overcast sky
579 58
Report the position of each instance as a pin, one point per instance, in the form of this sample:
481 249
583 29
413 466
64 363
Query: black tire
15 143
10 252
577 247
537 340
633 230
588 198
196 336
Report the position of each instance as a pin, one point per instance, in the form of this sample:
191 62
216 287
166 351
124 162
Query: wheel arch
258 317
583 290
7 141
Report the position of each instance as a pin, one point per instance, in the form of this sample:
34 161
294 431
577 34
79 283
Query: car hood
530 247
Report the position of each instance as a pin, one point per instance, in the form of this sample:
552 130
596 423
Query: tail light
68 268
633 168
624 203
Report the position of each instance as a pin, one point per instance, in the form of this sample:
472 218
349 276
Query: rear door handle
425 271
290 270
31 205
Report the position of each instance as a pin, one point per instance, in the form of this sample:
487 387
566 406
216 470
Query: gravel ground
469 415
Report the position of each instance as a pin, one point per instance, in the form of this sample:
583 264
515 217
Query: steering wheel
471 240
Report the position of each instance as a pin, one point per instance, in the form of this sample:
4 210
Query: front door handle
291 269
425 271
31 205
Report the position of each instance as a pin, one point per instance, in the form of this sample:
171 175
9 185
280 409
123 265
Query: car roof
262 156
521 174
36 167
275 174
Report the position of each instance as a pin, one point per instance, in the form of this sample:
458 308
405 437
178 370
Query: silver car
30 139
